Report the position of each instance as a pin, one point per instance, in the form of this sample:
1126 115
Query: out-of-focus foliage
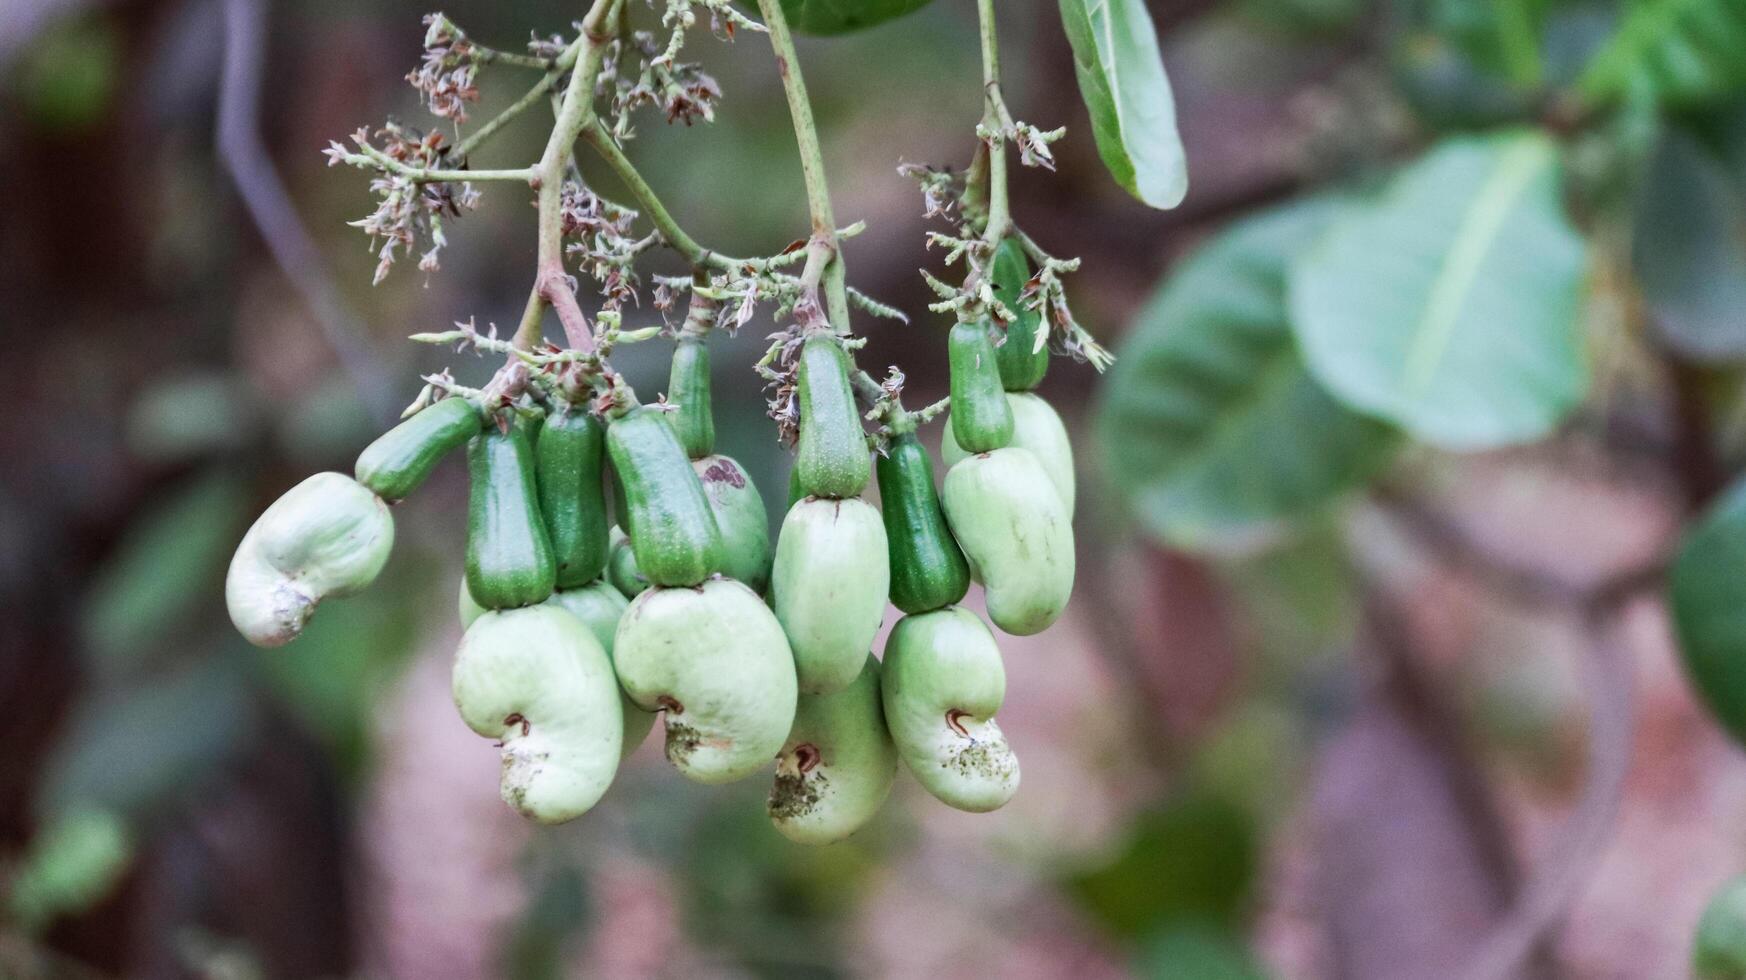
842 16
1675 51
1222 432
1448 305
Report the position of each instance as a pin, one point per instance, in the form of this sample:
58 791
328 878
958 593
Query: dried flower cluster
409 213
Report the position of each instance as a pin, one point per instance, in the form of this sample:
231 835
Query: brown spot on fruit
670 704
723 473
806 756
516 719
952 717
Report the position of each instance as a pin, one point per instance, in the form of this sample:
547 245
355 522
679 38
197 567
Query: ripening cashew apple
715 661
941 685
1016 534
831 573
536 680
327 536
1035 426
836 769
829 586
599 606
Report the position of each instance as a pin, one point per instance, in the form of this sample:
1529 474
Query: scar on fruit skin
796 795
722 473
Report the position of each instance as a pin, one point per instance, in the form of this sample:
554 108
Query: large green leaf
1211 428
1688 247
1133 114
843 16
1449 305
1708 599
1675 51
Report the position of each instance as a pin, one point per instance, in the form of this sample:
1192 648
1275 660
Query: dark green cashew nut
838 764
327 536
714 659
943 681
828 587
536 680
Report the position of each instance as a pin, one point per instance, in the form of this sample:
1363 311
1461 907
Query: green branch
995 120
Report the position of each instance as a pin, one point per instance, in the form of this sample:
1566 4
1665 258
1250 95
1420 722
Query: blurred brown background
1353 756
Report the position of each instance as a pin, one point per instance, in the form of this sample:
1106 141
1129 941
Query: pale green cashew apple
836 769
1035 426
1015 532
536 680
327 536
714 659
828 587
942 683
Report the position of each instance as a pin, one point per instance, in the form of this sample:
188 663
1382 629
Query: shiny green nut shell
714 659
539 683
327 536
1035 426
836 769
828 588
567 462
928 569
509 558
1022 363
942 684
831 454
401 459
672 529
1014 530
1719 948
621 566
981 419
688 389
600 606
741 518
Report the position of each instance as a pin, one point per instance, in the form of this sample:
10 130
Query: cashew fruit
1022 362
401 459
981 419
715 661
621 566
509 557
828 587
740 515
327 536
942 683
836 768
928 569
1035 426
536 680
831 454
672 530
568 462
1015 532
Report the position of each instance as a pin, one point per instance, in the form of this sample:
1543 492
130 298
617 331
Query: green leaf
843 16
1673 51
1688 247
1211 428
1133 114
1707 595
1449 305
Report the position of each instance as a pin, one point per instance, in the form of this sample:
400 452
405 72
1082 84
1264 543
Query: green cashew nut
714 659
536 680
1037 427
838 764
943 682
740 515
599 606
327 536
828 587
1015 531
401 459
621 566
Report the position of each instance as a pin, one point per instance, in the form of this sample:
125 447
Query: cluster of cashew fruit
579 632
